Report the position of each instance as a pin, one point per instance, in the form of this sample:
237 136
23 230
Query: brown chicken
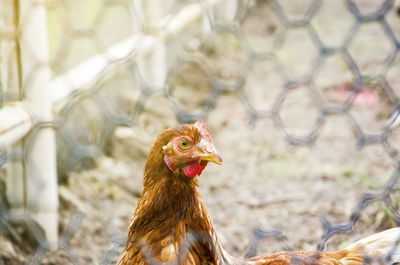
171 224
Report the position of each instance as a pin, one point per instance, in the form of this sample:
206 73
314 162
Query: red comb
201 126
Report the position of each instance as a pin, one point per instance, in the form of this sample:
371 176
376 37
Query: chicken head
191 153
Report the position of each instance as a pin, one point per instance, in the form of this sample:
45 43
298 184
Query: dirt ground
264 182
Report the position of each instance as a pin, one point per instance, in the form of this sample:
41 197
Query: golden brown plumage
171 225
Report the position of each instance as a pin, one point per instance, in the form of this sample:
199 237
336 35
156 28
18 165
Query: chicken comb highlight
201 126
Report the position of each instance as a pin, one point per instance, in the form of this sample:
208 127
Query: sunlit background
301 99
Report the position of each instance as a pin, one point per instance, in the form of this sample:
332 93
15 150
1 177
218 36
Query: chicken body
171 224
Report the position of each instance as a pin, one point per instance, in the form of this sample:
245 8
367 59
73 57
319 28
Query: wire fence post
40 155
227 10
152 65
11 86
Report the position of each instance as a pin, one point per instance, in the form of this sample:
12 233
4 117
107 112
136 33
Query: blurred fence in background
73 71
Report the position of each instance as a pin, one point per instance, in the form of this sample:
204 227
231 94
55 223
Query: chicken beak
208 152
215 158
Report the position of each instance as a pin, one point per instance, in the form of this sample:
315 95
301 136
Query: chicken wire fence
150 65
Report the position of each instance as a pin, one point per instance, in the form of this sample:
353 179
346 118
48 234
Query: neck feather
172 209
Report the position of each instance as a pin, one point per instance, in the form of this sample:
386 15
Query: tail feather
384 245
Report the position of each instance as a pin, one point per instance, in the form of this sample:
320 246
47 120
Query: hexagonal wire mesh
305 46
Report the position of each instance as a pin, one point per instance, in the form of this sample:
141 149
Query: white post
152 65
40 160
11 82
226 11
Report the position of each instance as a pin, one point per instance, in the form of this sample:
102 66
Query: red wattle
192 169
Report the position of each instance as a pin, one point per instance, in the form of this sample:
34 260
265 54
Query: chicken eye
184 144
